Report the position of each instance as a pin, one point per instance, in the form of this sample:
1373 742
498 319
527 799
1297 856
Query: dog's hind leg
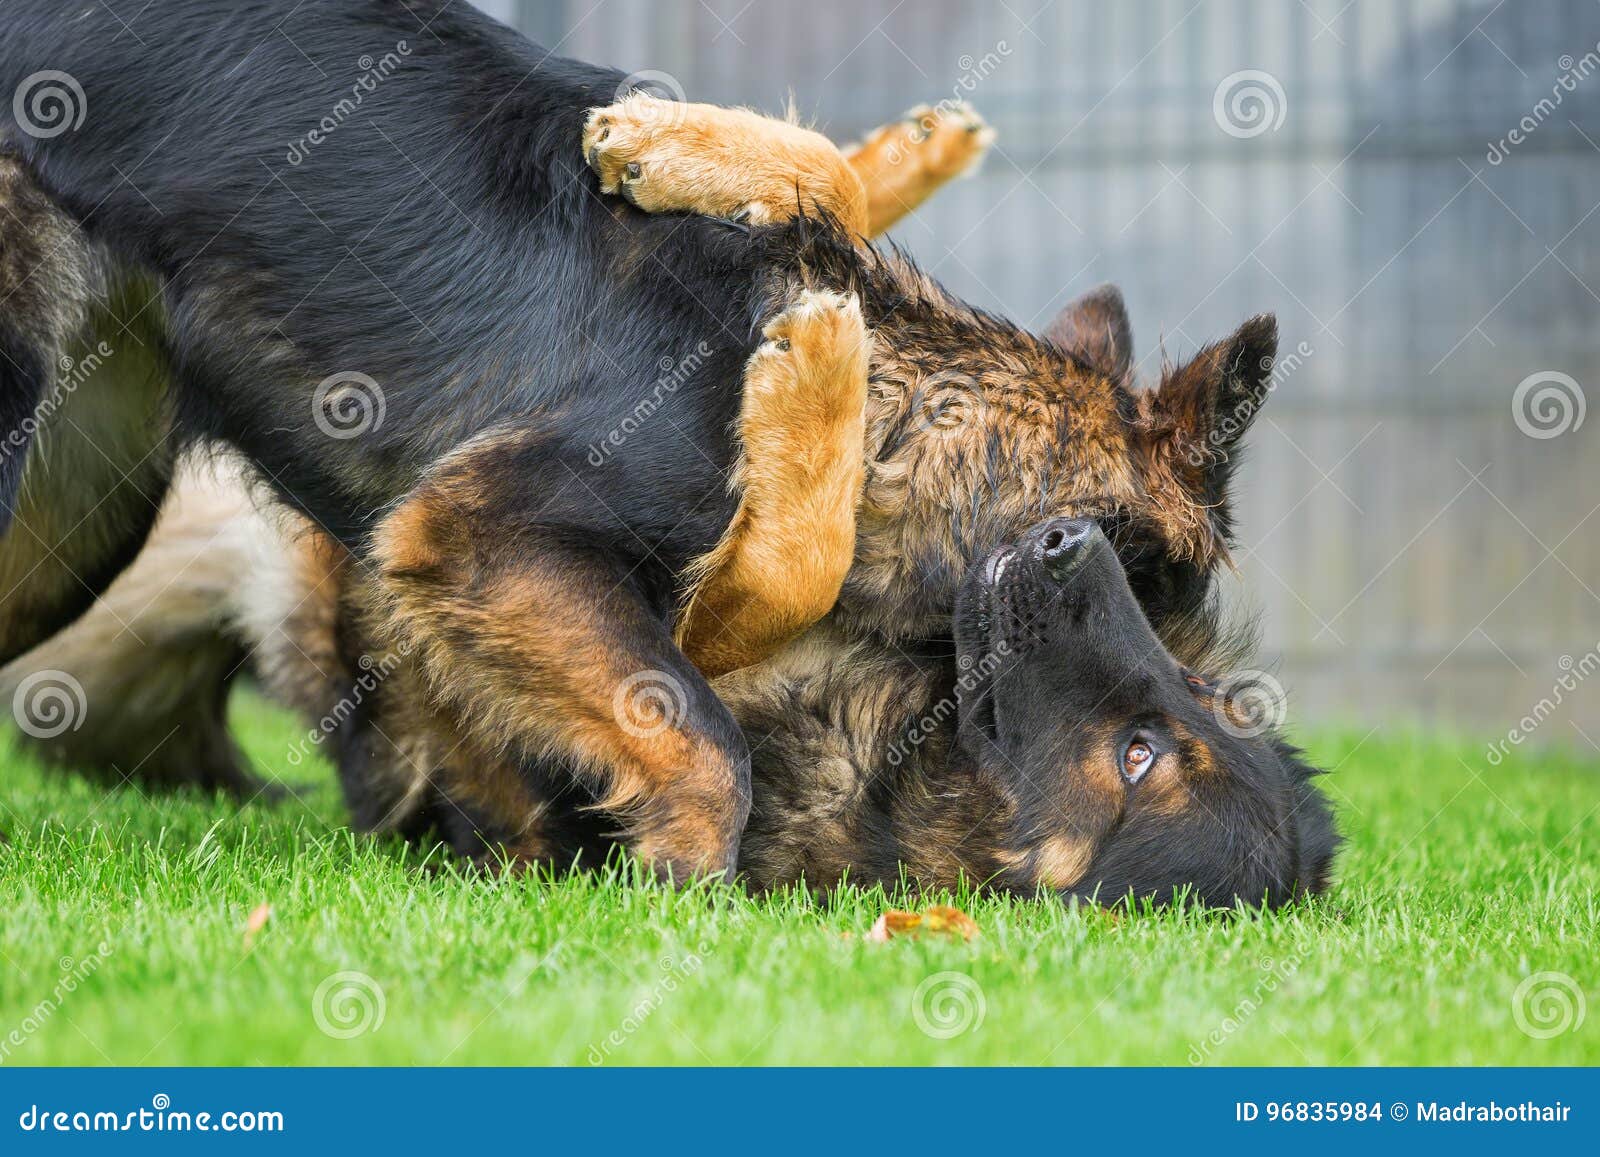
903 163
778 568
136 689
540 643
85 455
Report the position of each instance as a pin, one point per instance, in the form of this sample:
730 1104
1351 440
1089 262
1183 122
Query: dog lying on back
1046 739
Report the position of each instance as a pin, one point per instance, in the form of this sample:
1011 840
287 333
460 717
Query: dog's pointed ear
1095 327
1213 397
1191 424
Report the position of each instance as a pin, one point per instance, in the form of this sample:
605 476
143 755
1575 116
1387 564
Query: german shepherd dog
530 562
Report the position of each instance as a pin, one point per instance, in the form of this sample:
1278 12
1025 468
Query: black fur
1225 811
22 386
485 284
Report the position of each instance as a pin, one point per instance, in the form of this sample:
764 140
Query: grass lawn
123 939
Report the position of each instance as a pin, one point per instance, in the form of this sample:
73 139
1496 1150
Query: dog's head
977 430
1127 773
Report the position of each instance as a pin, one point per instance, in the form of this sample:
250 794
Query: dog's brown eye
1136 760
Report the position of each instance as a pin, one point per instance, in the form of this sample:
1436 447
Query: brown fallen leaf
256 922
939 920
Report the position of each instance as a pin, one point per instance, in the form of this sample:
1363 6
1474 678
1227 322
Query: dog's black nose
1063 544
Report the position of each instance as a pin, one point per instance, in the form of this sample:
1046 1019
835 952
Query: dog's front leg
543 644
779 567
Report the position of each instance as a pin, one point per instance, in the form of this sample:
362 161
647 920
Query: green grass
1458 881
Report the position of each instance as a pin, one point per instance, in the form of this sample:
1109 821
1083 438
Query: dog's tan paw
618 138
945 141
812 365
664 156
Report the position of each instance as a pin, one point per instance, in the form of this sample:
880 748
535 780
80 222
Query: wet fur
975 429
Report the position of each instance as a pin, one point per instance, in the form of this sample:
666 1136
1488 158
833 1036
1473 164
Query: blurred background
1412 186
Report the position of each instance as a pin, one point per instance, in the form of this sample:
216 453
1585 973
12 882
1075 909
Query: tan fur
1057 861
297 660
529 663
507 662
903 163
779 566
154 655
666 156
